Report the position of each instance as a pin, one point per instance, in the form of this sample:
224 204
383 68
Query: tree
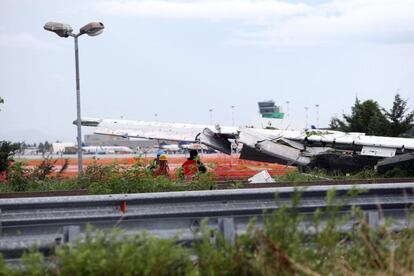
7 150
365 117
336 124
400 119
47 146
41 148
1 101
23 146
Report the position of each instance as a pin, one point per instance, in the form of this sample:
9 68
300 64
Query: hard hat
160 152
163 157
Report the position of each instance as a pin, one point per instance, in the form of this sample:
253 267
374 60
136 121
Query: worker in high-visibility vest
163 169
155 163
192 166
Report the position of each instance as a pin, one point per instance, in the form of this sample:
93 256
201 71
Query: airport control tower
268 109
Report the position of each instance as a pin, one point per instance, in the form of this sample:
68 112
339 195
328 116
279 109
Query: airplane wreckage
327 149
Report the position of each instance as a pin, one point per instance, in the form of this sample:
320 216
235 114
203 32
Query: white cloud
204 9
283 23
341 21
21 40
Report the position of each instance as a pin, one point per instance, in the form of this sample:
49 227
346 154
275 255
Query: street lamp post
317 115
232 115
65 30
211 115
306 114
287 109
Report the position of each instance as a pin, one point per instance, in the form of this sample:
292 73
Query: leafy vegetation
97 179
284 246
321 174
121 178
7 150
370 118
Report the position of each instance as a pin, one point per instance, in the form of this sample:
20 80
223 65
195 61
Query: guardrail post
373 219
227 227
70 233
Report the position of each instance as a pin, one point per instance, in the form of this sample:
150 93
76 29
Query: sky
179 59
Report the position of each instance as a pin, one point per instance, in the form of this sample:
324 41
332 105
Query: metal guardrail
47 221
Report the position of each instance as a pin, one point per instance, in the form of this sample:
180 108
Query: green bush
120 178
7 150
20 178
99 179
321 174
112 254
284 246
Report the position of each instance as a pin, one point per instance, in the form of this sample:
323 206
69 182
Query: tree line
370 118
41 147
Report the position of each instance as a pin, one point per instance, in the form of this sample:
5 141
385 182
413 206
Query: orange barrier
224 167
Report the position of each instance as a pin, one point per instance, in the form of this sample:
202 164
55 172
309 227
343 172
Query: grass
321 174
280 248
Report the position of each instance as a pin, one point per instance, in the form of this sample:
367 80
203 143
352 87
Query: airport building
106 140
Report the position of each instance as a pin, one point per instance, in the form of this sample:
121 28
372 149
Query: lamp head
92 29
61 29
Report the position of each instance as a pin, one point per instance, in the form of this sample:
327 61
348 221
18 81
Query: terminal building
106 140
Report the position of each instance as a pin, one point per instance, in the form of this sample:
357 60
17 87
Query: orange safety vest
163 169
190 167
